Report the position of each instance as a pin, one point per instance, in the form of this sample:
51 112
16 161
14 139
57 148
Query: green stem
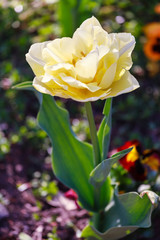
93 132
97 216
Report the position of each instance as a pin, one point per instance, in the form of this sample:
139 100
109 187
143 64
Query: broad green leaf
105 129
24 85
99 174
126 213
72 159
90 233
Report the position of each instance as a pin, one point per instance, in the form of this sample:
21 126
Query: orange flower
152 159
152 49
139 163
131 162
152 30
157 8
152 46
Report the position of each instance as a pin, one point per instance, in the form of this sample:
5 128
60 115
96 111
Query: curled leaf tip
153 197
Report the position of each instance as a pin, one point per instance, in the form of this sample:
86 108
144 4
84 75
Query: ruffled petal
90 21
87 67
92 87
126 44
40 86
63 48
108 76
65 68
83 41
126 84
35 59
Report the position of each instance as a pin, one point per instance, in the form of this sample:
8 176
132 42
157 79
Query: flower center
74 60
156 47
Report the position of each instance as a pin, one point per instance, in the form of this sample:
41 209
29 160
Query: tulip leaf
28 86
100 172
105 129
72 159
24 85
126 213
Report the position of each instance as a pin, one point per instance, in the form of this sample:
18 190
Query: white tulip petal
35 59
87 67
93 87
52 90
63 48
126 48
39 86
83 42
53 83
108 76
79 85
36 50
60 68
126 43
95 98
125 38
101 37
90 21
90 99
68 48
103 50
124 63
50 57
126 84
36 65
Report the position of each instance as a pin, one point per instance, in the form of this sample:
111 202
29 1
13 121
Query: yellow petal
93 87
41 87
87 67
127 48
101 37
108 76
56 69
102 50
35 59
90 96
50 57
85 95
83 42
79 85
53 83
126 43
126 84
123 64
90 21
63 48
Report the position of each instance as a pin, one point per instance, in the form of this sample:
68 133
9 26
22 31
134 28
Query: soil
20 204
19 212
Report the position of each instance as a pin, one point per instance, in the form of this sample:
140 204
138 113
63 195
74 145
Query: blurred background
33 204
